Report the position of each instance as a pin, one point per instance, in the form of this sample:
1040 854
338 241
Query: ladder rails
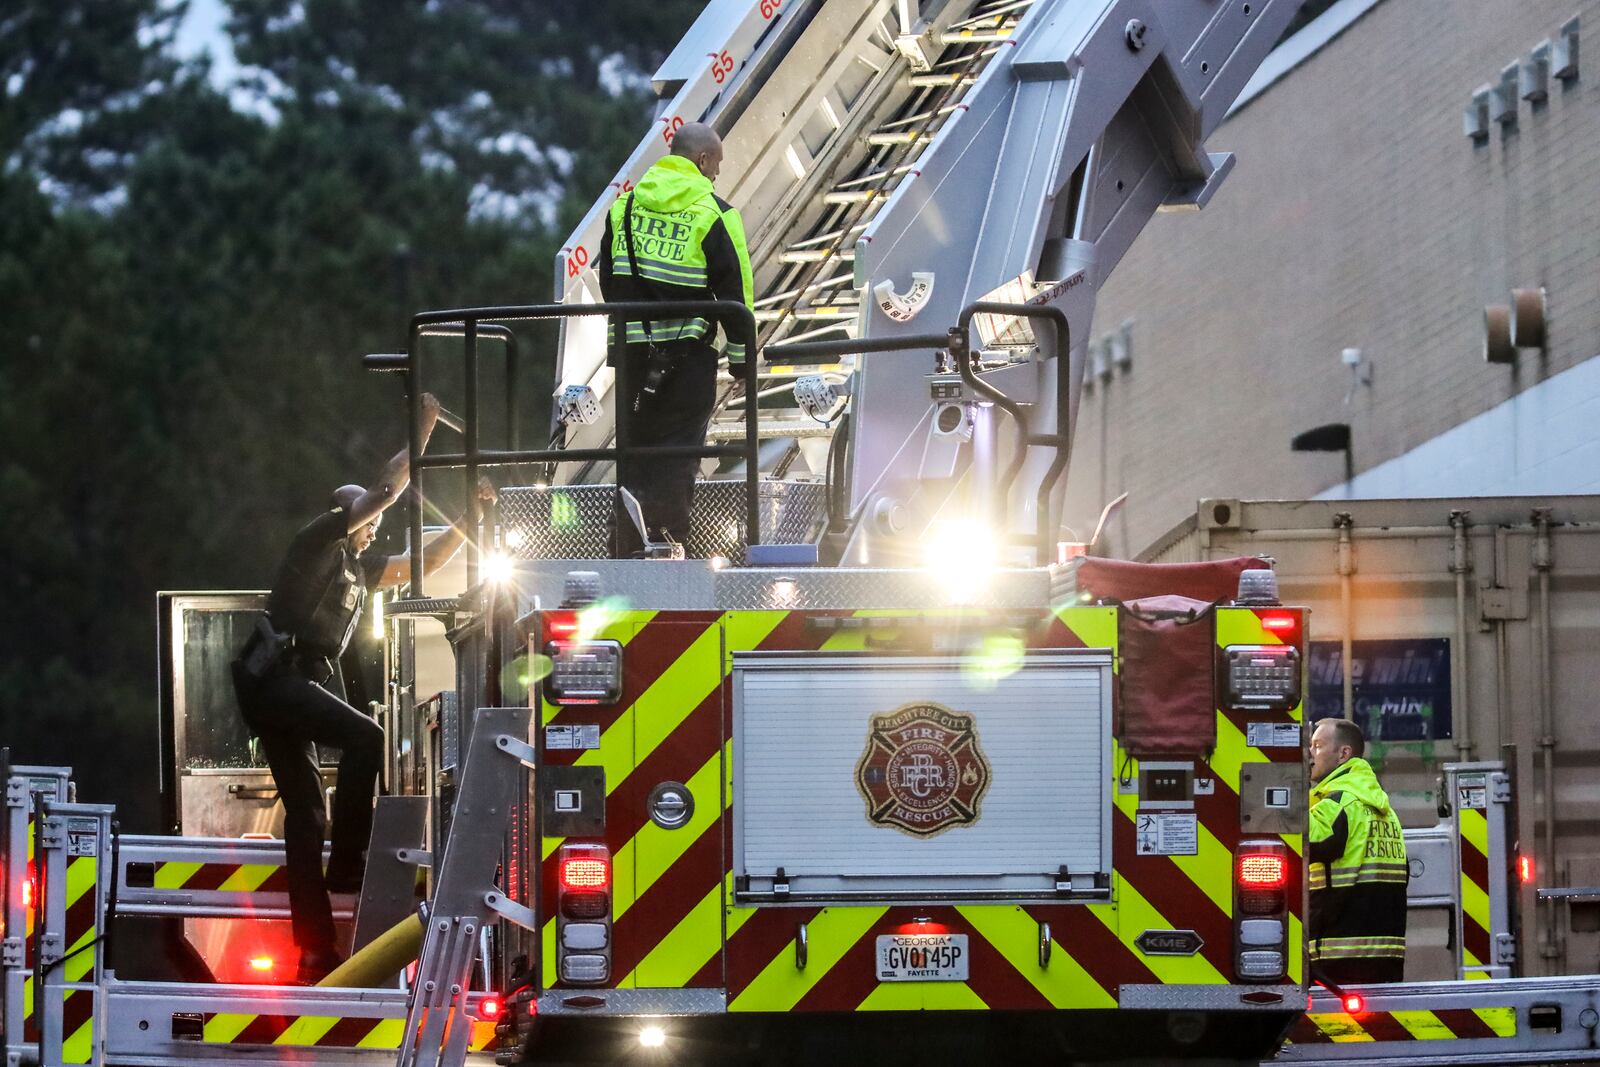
857 92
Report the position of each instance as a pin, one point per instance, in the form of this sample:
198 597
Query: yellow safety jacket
690 245
1358 868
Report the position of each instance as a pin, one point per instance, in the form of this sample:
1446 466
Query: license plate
922 958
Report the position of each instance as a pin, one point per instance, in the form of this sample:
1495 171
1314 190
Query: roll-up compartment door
921 777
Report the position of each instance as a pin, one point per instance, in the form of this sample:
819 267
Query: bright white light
960 554
377 614
497 568
718 562
514 538
652 1037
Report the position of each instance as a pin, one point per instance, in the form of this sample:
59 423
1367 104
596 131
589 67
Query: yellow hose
382 959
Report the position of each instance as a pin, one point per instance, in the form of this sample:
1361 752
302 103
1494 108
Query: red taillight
561 624
30 888
1262 870
261 964
1354 1004
579 873
922 926
1279 622
489 1008
1525 869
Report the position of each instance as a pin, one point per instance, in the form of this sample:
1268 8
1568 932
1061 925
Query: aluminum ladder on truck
898 161
59 1004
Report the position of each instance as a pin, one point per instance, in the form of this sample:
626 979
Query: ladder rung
874 176
836 281
816 255
991 12
888 137
855 196
827 238
822 311
938 81
962 61
977 35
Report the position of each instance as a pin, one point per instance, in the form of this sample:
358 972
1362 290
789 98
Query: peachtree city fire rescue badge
922 772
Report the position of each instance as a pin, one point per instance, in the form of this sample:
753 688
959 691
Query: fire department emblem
922 772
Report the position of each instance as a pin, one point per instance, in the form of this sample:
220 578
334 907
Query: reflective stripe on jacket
690 245
1358 868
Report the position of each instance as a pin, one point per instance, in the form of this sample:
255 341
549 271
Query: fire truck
881 759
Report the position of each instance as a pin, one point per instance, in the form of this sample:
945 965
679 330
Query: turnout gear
690 245
1358 879
671 238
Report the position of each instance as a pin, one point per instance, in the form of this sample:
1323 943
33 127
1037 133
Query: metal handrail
958 342
487 321
1061 440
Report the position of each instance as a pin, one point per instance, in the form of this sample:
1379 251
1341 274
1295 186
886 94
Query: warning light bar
585 872
1525 869
261 964
1262 870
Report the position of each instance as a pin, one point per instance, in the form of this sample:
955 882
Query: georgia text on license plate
922 958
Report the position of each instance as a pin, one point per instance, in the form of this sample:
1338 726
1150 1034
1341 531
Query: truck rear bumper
773 1040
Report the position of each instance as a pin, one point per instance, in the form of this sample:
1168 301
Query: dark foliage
188 277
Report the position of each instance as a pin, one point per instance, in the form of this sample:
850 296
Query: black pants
288 711
1360 971
677 414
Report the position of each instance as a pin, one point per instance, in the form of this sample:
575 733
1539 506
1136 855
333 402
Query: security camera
818 397
577 405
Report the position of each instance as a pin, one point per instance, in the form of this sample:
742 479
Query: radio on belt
584 672
1263 676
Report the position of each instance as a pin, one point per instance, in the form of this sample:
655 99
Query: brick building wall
1358 216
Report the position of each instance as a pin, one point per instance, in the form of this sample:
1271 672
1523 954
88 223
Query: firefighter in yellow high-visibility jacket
1358 864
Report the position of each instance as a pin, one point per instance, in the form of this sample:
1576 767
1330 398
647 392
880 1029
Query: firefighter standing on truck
672 238
1358 864
290 691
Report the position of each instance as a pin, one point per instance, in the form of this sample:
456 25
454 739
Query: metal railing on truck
958 342
474 324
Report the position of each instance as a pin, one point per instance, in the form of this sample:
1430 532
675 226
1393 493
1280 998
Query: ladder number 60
770 8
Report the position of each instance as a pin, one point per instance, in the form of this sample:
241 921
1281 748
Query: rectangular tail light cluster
1261 911
582 671
583 914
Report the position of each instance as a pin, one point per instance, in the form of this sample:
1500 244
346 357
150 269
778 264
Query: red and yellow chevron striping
320 1031
1453 1024
222 877
674 923
1475 919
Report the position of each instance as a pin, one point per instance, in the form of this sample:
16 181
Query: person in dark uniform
291 693
672 238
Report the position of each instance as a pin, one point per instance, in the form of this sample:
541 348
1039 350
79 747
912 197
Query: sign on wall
1401 686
